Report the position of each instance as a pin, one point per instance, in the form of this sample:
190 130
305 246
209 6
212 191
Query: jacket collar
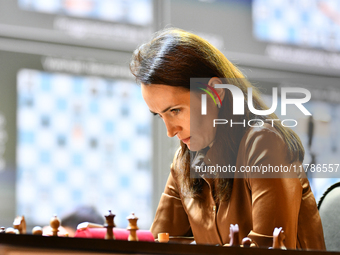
212 157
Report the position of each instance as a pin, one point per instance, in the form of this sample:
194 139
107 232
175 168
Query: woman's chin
194 147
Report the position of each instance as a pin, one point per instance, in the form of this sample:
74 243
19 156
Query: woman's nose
172 128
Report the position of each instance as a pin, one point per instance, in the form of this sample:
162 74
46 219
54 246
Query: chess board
306 23
136 12
82 141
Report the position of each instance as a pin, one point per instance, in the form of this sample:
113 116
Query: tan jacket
257 205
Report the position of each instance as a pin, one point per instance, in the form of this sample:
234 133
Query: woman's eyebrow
166 109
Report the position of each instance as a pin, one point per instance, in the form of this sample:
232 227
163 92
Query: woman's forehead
157 95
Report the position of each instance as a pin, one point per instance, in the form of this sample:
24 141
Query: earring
219 105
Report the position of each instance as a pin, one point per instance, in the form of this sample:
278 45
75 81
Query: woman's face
173 105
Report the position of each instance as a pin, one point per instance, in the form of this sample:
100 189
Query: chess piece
132 227
37 231
55 224
163 237
2 230
246 242
20 224
11 231
234 235
278 239
109 225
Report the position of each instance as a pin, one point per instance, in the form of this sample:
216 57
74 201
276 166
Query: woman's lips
186 140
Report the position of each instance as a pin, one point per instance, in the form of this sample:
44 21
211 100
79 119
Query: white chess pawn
37 231
132 227
55 224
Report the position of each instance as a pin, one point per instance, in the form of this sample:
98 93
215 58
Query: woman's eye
175 111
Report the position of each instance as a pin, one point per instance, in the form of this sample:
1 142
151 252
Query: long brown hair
174 56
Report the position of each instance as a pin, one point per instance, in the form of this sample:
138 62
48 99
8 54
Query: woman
203 204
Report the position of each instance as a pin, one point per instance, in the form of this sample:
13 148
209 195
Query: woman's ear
220 91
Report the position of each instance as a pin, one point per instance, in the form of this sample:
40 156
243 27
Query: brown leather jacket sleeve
170 215
276 203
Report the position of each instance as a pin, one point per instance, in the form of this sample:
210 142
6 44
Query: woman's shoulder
264 151
263 144
264 135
